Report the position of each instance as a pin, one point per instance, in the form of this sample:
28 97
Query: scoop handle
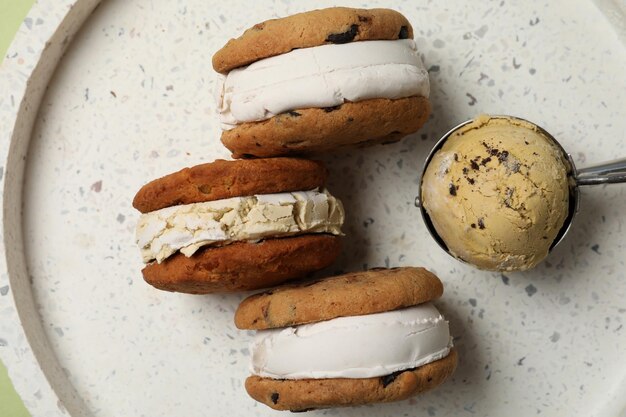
604 173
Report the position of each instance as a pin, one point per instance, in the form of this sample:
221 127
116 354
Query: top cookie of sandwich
225 179
314 28
353 294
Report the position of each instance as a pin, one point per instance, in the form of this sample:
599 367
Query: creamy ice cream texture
497 193
186 228
353 347
321 76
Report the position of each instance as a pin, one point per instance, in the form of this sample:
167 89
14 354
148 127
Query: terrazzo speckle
132 100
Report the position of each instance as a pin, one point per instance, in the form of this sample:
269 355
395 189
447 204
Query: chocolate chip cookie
351 294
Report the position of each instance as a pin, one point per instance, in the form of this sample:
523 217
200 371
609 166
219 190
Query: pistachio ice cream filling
497 193
187 228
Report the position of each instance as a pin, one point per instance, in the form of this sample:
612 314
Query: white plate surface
133 100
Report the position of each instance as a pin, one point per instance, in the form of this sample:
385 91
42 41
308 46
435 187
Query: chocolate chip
293 113
474 165
485 161
481 223
456 158
452 189
275 397
473 225
493 151
404 32
344 37
465 170
333 108
388 379
470 180
526 142
503 156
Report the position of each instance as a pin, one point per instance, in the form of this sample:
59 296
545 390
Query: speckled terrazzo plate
83 335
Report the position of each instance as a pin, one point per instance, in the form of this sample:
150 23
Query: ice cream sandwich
353 339
321 80
237 225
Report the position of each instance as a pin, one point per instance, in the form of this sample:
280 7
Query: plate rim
26 71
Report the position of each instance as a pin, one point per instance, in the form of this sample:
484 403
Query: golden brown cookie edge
225 179
351 294
244 266
310 394
308 29
317 130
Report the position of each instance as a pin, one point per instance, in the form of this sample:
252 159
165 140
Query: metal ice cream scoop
604 173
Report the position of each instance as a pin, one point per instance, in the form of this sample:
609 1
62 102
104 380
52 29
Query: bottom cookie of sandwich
315 130
244 266
309 394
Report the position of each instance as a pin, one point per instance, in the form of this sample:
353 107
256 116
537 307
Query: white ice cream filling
186 228
353 347
321 76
